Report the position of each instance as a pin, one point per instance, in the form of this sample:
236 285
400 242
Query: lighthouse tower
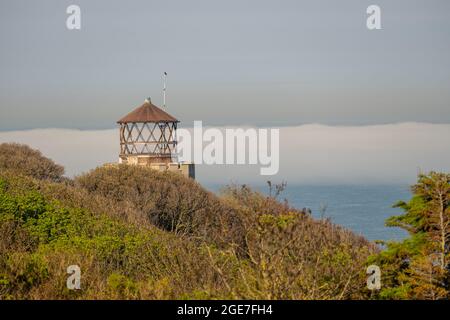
148 138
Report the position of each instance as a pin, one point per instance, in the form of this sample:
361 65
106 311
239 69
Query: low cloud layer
309 154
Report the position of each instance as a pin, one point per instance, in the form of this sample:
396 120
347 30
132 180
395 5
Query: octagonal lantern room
147 135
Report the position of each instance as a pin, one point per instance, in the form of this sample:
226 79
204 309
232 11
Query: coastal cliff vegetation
137 233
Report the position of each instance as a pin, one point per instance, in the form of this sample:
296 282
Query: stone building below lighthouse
148 137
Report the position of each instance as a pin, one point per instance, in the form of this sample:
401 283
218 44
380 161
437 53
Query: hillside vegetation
141 234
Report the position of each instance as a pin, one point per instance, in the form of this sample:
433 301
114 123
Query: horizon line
101 128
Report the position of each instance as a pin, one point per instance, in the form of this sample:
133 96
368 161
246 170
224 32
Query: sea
361 208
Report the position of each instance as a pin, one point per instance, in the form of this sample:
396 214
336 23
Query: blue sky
262 63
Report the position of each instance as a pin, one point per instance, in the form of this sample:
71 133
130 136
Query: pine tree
418 267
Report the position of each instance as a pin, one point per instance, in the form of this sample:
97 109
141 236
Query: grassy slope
141 234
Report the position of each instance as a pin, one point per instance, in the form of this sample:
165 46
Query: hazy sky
309 154
280 63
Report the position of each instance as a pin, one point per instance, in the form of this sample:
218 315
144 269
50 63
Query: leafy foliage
141 234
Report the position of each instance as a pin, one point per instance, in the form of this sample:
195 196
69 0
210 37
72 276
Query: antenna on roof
164 89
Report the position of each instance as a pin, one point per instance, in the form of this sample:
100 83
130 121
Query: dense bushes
168 200
41 238
23 159
295 256
141 234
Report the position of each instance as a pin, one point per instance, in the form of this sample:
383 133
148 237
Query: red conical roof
148 112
